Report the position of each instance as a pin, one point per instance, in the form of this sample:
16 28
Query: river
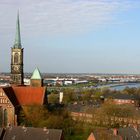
130 85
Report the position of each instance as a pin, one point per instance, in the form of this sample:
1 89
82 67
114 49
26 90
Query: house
130 133
104 134
91 137
126 133
31 133
120 98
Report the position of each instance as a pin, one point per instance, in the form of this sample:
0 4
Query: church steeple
17 43
17 74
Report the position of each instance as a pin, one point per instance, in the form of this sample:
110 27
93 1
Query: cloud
43 18
61 16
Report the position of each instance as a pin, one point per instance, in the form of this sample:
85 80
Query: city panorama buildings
14 97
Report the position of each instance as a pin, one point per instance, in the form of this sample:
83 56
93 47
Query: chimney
115 131
44 129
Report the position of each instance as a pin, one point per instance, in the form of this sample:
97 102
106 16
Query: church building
13 97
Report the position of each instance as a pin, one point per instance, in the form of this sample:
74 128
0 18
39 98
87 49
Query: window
5 117
16 58
0 116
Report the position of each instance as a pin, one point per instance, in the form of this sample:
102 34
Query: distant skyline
68 36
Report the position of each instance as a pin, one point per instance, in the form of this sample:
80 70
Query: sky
73 36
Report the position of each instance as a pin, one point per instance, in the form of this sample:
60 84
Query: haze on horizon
67 36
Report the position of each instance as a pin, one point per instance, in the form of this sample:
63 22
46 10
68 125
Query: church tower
17 58
36 79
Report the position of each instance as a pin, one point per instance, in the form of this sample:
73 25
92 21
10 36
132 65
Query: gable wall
7 110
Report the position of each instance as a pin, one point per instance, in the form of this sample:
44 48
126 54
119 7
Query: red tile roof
29 95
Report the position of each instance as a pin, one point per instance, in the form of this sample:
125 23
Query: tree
32 115
69 95
53 98
39 116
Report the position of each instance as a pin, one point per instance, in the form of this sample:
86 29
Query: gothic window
16 78
5 117
16 58
0 116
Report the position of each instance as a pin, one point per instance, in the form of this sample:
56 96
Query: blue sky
95 36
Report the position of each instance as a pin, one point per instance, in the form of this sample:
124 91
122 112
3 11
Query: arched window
1 117
5 117
16 58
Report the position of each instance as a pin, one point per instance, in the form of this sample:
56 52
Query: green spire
36 74
17 43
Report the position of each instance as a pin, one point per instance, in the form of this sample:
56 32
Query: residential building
127 133
121 98
30 133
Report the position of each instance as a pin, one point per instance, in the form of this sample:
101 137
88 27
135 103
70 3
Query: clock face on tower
16 68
